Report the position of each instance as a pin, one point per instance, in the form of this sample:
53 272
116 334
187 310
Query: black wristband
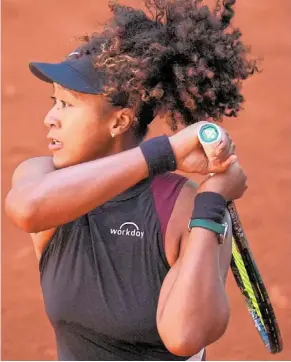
159 155
209 205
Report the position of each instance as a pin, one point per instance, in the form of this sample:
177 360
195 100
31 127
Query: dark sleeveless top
101 276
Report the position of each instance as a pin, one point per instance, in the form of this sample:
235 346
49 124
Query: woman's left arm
193 309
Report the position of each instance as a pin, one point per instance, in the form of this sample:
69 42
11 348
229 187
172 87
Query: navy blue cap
76 72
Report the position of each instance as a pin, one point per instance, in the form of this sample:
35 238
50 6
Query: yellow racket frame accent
245 278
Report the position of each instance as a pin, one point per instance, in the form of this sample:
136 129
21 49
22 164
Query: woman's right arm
41 198
48 198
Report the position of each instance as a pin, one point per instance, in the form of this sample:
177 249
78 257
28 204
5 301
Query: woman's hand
191 157
231 184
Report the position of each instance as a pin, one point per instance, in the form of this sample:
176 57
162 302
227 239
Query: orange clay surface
43 31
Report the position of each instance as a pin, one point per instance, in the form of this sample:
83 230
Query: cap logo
74 55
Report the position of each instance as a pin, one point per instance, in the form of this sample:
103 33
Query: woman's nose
52 120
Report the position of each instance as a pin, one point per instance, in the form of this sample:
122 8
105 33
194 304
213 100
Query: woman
122 276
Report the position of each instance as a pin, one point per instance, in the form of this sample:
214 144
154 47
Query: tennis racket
243 266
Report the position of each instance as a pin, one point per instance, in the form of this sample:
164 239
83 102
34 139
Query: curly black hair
179 57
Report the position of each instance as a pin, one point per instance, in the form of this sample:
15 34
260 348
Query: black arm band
209 205
159 155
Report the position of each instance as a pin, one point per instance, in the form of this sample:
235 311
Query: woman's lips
55 146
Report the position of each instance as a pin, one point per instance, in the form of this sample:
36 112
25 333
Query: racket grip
209 136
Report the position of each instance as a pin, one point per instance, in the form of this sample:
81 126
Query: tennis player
122 276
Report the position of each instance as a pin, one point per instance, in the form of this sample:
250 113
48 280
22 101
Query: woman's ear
123 120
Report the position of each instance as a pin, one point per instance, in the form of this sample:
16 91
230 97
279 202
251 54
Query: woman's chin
61 162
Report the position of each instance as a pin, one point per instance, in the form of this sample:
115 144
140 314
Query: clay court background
42 30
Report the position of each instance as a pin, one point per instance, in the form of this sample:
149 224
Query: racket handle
209 136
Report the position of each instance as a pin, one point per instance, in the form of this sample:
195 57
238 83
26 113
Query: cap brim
63 74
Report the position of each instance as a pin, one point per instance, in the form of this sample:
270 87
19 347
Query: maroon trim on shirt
165 189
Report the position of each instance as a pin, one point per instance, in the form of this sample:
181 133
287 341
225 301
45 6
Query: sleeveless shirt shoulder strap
165 190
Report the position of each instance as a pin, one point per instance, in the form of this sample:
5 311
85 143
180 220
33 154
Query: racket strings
252 287
250 282
245 278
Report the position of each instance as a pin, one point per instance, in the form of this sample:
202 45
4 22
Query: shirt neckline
133 191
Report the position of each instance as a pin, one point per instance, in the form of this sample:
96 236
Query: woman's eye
54 100
65 104
60 103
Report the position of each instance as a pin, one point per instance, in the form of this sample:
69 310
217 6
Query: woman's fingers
226 148
217 166
226 164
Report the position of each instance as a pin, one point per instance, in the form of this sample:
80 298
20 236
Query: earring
112 134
